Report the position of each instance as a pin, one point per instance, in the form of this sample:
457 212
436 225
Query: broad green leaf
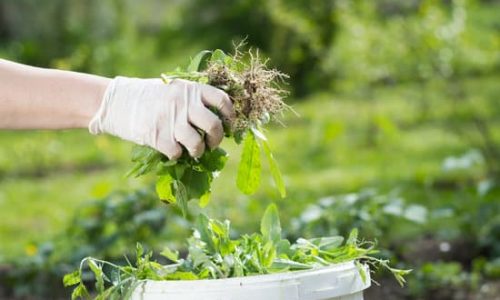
270 225
164 188
170 254
72 278
196 183
283 248
195 64
177 171
214 160
268 253
248 178
275 171
218 56
205 199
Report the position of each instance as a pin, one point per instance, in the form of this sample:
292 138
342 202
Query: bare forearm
36 98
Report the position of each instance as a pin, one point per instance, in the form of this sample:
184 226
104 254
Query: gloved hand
163 116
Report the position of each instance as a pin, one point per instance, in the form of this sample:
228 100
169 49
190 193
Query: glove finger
167 144
205 120
165 139
190 138
213 97
184 133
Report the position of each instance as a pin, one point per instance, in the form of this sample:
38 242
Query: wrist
94 94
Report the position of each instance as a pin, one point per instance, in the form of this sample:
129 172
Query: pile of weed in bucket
213 254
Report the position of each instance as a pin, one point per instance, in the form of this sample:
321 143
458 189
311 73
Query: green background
398 134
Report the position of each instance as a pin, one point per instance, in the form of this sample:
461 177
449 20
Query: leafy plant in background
102 227
213 254
257 99
369 210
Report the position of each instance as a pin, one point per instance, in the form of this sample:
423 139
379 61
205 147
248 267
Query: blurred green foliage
398 133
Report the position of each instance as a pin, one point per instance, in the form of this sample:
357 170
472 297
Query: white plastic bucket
339 282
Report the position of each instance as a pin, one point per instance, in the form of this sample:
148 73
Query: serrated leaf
195 64
72 278
270 224
164 188
170 254
249 170
146 160
275 171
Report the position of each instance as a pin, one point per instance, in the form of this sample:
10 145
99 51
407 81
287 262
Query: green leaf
270 225
327 243
195 64
72 278
196 183
280 263
218 56
399 275
205 199
275 171
248 178
214 160
164 188
258 134
80 292
353 237
146 160
139 250
170 254
182 276
181 196
361 270
202 226
97 270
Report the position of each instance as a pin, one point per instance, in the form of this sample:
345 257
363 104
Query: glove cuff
96 124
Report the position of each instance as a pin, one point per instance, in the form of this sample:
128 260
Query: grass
340 143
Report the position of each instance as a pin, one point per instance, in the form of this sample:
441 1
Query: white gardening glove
163 116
